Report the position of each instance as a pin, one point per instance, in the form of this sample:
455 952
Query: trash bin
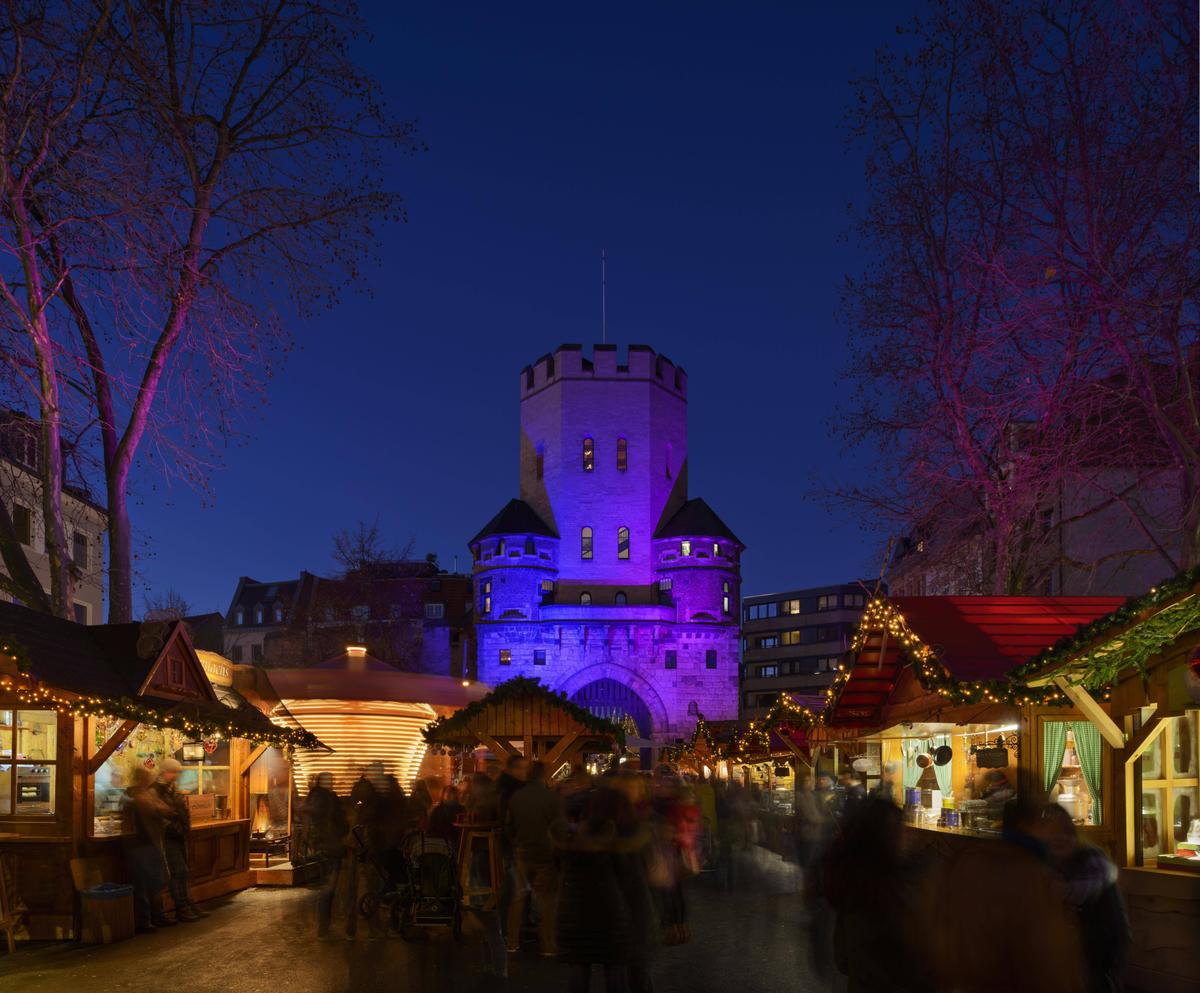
107 913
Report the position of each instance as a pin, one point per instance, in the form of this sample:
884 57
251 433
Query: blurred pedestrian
531 811
144 816
175 841
326 825
444 817
483 813
1090 885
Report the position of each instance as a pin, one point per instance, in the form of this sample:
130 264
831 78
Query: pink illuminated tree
1024 336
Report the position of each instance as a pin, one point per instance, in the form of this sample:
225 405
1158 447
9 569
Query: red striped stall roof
975 637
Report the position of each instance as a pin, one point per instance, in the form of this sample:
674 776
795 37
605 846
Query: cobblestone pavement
749 941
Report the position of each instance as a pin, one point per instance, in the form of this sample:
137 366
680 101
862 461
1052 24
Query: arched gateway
615 701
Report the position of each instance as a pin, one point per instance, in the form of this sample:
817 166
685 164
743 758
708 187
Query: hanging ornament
210 745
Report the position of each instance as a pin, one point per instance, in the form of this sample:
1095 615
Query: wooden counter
219 858
1164 913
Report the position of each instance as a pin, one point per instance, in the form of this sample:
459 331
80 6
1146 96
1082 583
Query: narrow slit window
725 597
589 454
585 543
622 454
622 542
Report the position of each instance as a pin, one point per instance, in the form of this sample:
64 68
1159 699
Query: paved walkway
750 941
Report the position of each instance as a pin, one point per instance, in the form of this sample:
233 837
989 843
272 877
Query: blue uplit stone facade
643 621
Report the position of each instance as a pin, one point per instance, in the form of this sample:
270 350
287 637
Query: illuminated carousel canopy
370 715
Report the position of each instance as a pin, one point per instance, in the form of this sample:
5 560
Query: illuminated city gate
616 702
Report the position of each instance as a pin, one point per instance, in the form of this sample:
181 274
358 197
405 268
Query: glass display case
1170 795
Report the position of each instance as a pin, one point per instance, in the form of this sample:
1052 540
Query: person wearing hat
175 839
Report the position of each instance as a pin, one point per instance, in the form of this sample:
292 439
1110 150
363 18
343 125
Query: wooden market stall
523 717
80 708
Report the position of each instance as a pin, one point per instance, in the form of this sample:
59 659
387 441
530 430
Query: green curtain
1054 745
1087 746
945 779
912 771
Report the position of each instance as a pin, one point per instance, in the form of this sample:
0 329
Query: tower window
486 589
589 455
547 585
716 549
620 599
622 542
585 543
725 597
685 547
539 656
622 454
540 462
506 656
530 548
500 547
672 659
585 599
710 659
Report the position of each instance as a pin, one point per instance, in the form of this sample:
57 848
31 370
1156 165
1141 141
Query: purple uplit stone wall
545 610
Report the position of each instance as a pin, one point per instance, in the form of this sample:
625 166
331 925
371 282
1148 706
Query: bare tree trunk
120 550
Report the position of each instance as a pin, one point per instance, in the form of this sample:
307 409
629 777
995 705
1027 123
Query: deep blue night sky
702 146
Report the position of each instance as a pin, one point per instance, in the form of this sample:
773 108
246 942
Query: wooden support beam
498 747
1091 709
1127 805
110 746
556 753
1141 740
253 757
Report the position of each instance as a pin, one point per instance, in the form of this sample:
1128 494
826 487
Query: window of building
540 462
80 611
589 455
240 616
767 699
716 549
506 656
329 614
278 615
585 598
236 653
854 599
1069 746
767 641
79 550
530 547
27 787
767 671
500 546
22 519
789 606
258 615
664 585
256 653
761 611
547 585
539 656
790 637
710 659
435 611
622 542
672 659
827 601
622 454
486 600
725 596
620 599
435 585
585 543
360 613
685 547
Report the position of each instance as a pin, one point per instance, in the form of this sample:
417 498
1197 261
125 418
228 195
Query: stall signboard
202 807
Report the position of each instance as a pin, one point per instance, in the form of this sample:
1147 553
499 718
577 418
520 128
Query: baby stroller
417 884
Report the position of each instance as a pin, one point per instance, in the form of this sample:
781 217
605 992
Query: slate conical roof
517 517
696 519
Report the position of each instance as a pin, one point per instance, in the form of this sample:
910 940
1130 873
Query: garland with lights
16 653
445 730
37 696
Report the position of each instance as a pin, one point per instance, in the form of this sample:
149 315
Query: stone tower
604 579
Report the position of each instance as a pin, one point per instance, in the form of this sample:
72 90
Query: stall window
1170 789
28 762
205 772
269 788
1071 768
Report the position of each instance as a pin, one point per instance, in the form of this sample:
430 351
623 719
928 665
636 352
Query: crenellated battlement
568 362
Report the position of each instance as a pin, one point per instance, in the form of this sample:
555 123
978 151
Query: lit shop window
685 547
589 455
622 542
1071 764
585 543
622 454
506 656
1170 790
28 762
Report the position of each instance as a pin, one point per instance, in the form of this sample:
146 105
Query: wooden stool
485 834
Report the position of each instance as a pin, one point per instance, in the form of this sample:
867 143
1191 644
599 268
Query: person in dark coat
326 825
531 811
595 926
1090 883
144 816
175 841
